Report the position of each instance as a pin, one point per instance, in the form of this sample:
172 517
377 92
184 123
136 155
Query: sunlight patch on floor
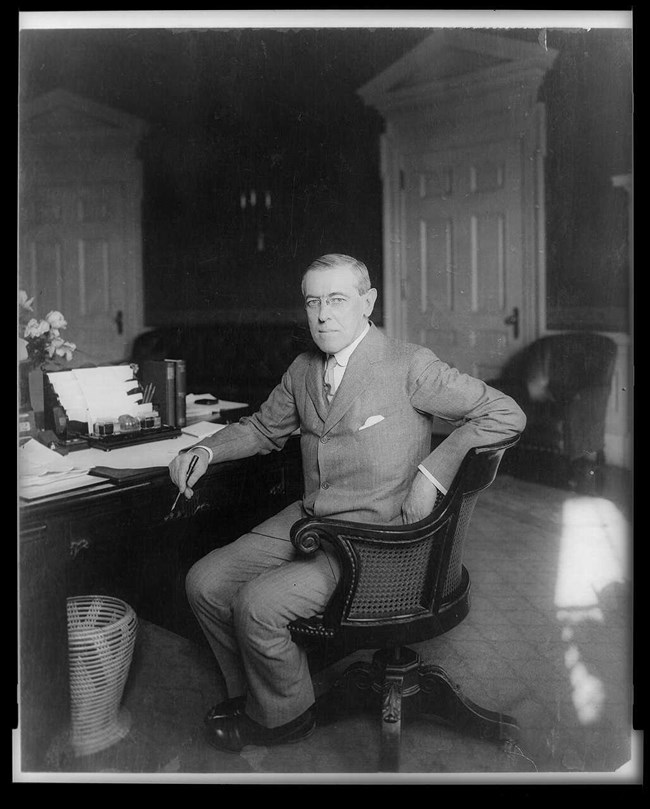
594 554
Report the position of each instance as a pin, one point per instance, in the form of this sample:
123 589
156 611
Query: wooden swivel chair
400 585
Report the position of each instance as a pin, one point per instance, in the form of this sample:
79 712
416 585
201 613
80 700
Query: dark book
162 375
125 476
181 392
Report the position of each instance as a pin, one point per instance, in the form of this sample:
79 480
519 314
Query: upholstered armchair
562 382
400 585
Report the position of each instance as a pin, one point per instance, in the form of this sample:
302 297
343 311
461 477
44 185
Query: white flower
24 302
61 348
42 336
56 320
53 345
22 350
36 328
66 350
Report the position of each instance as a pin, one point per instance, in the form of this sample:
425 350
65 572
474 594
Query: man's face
336 312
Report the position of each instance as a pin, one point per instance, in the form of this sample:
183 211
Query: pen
193 462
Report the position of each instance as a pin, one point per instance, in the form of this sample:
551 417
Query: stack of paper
104 392
43 471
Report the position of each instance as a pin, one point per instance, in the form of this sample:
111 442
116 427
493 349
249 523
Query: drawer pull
77 545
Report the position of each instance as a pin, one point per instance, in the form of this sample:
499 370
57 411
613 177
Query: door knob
513 320
119 321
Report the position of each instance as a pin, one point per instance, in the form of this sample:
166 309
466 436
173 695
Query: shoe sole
276 743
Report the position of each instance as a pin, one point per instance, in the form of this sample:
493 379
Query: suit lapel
315 385
358 375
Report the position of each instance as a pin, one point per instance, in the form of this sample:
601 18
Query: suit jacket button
325 486
324 439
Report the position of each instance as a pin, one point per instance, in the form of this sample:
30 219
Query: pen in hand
193 463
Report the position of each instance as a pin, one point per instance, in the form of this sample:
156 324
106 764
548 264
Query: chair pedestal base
398 686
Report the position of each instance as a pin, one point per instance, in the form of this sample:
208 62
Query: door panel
72 261
464 255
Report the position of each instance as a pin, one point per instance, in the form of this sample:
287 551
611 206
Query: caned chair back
400 583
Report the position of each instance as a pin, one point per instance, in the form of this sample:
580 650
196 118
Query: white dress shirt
342 358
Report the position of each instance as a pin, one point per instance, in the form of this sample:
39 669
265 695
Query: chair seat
311 627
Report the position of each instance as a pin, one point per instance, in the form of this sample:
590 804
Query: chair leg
398 686
391 723
442 698
351 693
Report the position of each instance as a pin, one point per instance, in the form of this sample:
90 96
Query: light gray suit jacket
364 473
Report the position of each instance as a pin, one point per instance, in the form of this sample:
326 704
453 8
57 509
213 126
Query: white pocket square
370 421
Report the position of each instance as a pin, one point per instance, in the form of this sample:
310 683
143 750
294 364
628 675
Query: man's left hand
420 500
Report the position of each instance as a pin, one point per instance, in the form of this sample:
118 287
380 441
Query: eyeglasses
335 301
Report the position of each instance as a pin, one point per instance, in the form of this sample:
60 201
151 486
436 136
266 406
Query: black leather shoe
229 707
234 732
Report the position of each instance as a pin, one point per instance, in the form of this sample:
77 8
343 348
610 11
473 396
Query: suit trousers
244 595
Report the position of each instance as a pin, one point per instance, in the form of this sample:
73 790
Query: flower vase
24 403
37 396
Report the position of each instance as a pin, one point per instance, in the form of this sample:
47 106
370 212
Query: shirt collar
343 356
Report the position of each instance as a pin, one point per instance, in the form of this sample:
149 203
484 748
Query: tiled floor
548 640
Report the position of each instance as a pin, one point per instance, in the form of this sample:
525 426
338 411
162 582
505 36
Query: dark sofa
233 361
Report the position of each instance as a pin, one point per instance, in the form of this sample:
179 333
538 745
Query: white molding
438 67
98 114
426 112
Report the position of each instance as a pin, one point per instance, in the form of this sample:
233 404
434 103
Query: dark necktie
328 378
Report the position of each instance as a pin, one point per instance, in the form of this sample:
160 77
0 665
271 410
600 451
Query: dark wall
231 112
234 111
588 96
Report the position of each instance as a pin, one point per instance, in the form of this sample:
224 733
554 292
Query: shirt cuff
207 449
428 474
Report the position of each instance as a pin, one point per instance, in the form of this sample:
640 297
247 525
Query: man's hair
340 260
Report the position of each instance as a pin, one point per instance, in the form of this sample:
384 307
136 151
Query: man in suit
364 405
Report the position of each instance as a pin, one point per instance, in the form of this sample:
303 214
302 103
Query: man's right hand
178 470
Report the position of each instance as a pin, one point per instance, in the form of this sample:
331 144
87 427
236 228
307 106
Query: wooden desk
117 541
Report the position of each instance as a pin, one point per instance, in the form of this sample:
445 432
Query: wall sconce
256 214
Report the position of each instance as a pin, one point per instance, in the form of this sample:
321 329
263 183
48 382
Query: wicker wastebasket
101 638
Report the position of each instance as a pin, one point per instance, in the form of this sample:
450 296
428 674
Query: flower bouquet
39 340
40 347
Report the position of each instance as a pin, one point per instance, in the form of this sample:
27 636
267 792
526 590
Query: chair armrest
308 533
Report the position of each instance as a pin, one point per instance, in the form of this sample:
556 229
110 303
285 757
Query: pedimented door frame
456 91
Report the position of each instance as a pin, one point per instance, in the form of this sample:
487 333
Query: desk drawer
219 492
96 545
43 640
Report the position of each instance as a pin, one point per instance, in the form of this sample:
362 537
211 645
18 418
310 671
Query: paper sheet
140 456
42 471
60 486
202 429
37 460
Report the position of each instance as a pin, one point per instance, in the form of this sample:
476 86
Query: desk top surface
71 475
